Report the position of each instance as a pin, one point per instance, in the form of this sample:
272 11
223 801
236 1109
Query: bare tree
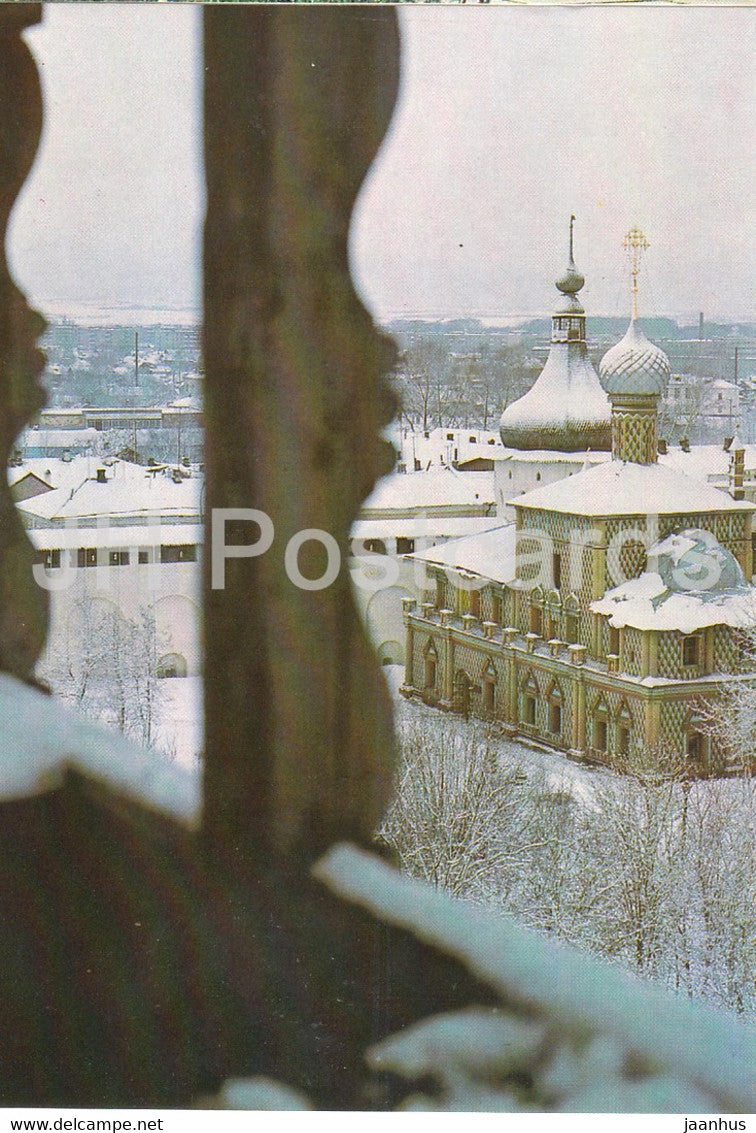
106 665
457 820
647 868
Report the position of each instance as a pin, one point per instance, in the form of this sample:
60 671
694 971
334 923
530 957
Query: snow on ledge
41 741
540 978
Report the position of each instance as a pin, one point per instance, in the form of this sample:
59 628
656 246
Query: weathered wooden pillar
23 605
299 741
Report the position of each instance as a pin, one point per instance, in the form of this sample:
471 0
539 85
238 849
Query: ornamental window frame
691 650
430 659
555 701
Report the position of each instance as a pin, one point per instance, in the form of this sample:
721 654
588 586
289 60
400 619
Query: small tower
634 373
566 409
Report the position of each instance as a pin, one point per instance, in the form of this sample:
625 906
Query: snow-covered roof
45 505
17 474
565 409
122 538
433 527
705 462
185 403
575 459
489 555
72 473
691 581
119 498
442 446
646 603
56 438
436 488
623 488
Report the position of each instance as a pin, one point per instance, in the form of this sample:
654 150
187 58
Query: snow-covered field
556 770
179 731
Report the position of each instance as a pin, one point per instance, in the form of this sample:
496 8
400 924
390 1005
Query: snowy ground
179 733
179 736
558 772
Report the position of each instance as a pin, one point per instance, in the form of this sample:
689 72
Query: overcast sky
509 119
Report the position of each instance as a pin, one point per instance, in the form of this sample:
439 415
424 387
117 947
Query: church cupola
634 373
566 409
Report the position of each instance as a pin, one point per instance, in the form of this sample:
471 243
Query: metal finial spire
635 244
571 282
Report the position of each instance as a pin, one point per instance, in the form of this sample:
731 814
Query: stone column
512 714
653 723
448 666
299 744
578 720
23 604
409 654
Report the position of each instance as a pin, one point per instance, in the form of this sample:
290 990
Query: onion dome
635 366
566 410
693 561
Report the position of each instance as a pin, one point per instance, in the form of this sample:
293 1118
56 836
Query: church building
612 610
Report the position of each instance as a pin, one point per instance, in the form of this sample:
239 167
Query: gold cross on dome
635 244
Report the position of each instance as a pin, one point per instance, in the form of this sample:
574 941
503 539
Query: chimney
101 476
662 445
685 444
737 468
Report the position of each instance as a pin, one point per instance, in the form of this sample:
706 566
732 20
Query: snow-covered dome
635 365
693 561
566 410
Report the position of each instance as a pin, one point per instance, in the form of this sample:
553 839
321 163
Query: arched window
600 718
696 739
555 702
171 665
475 603
529 700
431 666
691 650
624 729
535 613
489 687
571 620
613 637
462 689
